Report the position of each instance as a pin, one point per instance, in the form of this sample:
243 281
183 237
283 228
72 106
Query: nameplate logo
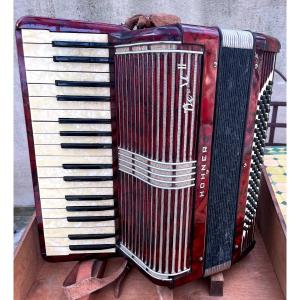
184 83
203 171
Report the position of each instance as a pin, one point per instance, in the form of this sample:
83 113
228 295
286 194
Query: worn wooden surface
27 261
252 278
273 229
164 293
216 284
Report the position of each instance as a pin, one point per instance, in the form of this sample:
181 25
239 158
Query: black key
257 121
247 222
88 197
87 166
254 167
80 44
83 121
91 247
252 210
253 193
82 83
248 214
263 109
255 189
83 59
87 178
263 98
256 181
251 200
252 183
85 146
82 98
257 163
91 219
85 133
90 208
91 236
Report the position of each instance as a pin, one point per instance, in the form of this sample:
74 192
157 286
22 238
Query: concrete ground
22 216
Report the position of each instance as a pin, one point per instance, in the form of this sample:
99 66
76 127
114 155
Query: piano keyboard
69 84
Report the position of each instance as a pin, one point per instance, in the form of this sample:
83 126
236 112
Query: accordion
146 144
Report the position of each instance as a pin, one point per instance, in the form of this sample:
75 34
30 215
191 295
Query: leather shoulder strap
84 279
143 21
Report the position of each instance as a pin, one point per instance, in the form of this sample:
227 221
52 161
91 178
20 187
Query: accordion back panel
158 94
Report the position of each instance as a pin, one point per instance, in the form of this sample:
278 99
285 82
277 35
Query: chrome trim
186 227
157 161
165 188
151 155
237 39
160 175
159 51
148 43
193 112
147 269
152 178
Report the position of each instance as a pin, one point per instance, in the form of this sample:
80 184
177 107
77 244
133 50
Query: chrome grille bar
156 153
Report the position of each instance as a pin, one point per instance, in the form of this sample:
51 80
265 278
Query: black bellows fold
234 77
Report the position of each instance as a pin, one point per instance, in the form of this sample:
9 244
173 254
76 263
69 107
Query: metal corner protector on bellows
155 274
237 39
216 269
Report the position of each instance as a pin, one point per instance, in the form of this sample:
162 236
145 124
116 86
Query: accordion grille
158 88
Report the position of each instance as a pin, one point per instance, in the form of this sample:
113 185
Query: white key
47 64
46 50
63 223
50 77
58 151
57 161
41 90
60 172
55 127
61 193
53 115
62 213
52 103
62 203
64 232
46 36
59 183
56 139
66 241
58 251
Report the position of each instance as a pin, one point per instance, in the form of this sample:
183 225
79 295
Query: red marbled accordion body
163 110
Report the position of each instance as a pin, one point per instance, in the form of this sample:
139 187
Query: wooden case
35 278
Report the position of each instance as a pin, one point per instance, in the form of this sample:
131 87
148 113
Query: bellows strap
156 20
86 278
